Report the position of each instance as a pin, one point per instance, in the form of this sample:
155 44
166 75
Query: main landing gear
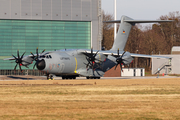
68 77
93 77
50 77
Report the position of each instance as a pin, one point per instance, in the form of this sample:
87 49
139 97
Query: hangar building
47 24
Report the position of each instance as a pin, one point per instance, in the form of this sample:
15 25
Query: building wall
27 35
85 10
47 24
67 10
172 68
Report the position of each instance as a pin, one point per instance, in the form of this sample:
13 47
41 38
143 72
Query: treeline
151 39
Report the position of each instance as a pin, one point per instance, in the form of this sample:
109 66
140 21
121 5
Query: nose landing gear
50 77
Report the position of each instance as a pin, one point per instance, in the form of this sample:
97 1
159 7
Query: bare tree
155 39
108 32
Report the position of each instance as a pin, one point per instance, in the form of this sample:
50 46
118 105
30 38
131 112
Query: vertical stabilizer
124 30
122 35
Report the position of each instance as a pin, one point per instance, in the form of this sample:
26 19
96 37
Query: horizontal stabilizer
138 21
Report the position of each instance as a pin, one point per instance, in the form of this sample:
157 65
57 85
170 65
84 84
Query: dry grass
140 99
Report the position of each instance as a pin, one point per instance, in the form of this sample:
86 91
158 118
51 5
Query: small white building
175 50
136 72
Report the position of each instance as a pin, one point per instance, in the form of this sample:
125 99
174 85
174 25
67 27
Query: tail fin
124 30
122 35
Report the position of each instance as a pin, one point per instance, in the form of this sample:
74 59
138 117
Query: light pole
115 19
136 58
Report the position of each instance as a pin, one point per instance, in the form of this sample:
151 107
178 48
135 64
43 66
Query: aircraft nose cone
41 64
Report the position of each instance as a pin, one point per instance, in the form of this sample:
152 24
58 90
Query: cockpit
46 56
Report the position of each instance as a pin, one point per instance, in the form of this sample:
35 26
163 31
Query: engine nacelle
27 60
127 59
100 58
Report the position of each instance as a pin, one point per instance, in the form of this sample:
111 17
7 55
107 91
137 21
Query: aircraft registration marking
50 66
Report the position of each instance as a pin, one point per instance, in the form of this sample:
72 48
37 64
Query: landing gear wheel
47 77
68 77
51 77
93 77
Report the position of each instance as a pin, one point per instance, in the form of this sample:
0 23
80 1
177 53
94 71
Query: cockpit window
42 56
47 56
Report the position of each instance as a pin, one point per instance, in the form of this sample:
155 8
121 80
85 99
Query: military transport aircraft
72 63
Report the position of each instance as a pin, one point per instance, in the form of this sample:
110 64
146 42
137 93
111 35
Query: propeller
36 57
119 59
18 60
91 58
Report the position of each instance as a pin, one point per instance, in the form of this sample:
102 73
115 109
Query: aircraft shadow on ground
23 78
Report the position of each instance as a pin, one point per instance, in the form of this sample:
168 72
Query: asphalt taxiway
28 77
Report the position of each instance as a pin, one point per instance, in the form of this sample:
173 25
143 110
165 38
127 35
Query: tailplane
124 30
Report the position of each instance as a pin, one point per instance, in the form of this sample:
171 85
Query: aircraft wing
28 56
148 56
114 53
9 58
12 58
108 52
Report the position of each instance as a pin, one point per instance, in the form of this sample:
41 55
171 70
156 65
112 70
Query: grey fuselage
74 62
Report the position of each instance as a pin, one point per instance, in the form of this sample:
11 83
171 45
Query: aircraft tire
51 77
47 76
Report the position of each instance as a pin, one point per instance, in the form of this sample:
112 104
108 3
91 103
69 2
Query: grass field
139 99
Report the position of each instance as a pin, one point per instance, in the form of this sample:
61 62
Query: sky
141 9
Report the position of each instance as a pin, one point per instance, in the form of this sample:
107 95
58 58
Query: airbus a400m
90 63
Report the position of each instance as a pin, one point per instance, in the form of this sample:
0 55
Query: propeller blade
18 60
37 56
15 66
43 50
88 64
121 67
119 59
116 66
14 56
22 55
91 50
18 54
86 54
91 58
96 53
20 67
34 65
123 54
32 55
37 52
